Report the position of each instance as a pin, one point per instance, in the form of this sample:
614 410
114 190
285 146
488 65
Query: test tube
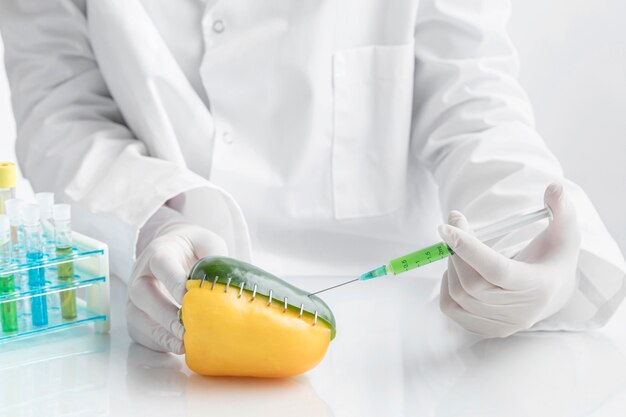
34 254
45 202
7 183
7 281
63 242
13 209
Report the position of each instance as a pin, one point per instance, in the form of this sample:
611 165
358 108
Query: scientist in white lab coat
328 135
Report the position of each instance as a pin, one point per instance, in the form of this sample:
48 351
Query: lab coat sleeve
474 129
73 140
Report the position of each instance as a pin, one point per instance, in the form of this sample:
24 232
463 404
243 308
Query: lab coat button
218 26
227 138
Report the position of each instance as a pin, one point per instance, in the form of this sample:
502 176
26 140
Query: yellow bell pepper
232 328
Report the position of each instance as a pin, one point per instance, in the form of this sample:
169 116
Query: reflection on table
395 355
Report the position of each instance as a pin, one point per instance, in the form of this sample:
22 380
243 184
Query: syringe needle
335 286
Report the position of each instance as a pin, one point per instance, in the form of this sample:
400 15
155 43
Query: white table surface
395 355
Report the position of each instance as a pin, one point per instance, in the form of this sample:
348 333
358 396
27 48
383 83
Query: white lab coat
329 134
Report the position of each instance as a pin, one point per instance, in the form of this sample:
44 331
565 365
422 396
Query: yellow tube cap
7 175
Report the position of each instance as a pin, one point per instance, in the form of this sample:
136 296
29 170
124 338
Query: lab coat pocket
373 91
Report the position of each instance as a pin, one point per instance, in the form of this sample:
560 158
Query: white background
573 55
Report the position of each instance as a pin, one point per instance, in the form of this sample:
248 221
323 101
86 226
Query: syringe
441 250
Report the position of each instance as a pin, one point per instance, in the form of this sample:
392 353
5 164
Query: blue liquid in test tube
37 278
34 253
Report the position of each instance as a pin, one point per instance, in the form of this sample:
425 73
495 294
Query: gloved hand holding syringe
441 250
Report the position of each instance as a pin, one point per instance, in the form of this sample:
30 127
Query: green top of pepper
222 269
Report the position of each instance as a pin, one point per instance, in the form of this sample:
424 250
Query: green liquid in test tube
9 308
66 274
7 282
65 270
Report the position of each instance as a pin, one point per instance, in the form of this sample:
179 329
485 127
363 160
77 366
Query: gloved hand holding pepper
167 248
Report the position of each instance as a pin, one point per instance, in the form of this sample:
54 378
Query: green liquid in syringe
420 258
65 272
441 250
410 261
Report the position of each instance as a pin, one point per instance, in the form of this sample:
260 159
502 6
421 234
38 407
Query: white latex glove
492 295
168 247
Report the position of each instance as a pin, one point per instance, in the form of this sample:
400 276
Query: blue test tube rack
91 284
